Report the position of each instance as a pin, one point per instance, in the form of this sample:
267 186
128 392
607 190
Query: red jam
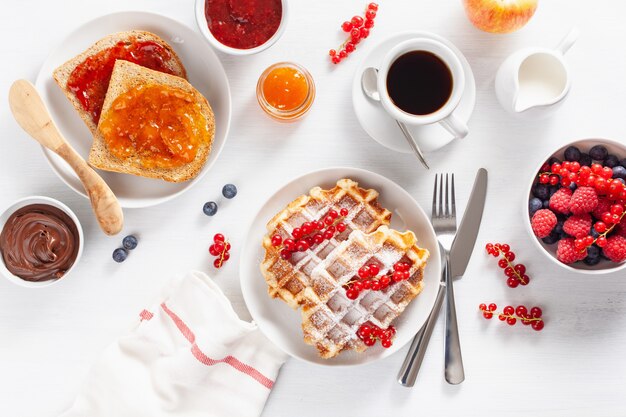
243 24
90 79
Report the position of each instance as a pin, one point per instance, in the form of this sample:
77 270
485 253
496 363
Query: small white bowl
204 29
605 266
51 202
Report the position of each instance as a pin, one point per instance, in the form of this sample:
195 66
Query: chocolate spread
39 242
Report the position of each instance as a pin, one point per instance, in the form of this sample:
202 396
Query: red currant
302 246
328 234
346 26
509 310
487 315
365 32
350 47
601 241
335 60
343 212
343 54
372 6
225 256
535 312
502 263
217 263
385 281
370 14
521 311
374 269
369 341
364 272
277 240
296 233
332 52
318 238
219 246
290 245
482 307
511 321
357 21
492 307
285 254
352 294
369 23
537 325
512 282
386 343
365 331
213 251
218 238
355 34
375 286
341 227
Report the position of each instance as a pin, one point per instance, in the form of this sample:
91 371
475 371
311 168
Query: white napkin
189 355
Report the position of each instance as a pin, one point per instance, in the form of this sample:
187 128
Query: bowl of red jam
241 27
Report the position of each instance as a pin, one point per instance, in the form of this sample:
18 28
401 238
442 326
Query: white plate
204 71
381 126
280 323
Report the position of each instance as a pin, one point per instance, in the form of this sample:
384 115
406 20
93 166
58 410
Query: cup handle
456 127
569 40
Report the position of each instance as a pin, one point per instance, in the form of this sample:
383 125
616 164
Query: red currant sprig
597 176
368 279
512 315
221 249
359 29
311 233
610 219
369 333
516 274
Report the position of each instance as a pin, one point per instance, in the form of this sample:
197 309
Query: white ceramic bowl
605 266
204 29
26 201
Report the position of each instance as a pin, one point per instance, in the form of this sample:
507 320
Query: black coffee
419 82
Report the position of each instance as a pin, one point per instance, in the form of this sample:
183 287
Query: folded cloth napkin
189 355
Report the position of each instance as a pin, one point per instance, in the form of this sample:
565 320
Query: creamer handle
569 40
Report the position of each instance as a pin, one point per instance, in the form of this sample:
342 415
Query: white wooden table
576 366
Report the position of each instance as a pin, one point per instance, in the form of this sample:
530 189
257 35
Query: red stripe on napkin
203 358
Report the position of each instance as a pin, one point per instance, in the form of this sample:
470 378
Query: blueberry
598 153
553 160
541 191
119 255
619 172
545 204
210 208
553 189
551 239
611 161
229 191
572 153
585 160
621 180
558 229
593 256
592 261
594 234
573 187
534 204
129 242
623 162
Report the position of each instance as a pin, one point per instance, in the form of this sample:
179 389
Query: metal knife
460 254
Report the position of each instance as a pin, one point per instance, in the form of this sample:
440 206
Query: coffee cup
421 81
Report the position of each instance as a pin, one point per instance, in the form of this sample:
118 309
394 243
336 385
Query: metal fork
443 219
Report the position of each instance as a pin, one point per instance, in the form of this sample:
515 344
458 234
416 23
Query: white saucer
280 323
380 126
204 71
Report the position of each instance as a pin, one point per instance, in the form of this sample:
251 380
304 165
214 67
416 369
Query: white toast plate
204 71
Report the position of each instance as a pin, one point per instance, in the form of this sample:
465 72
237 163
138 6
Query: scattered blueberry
129 242
598 153
210 208
534 204
551 239
229 191
119 255
573 186
553 160
542 191
585 160
619 172
572 153
545 204
611 161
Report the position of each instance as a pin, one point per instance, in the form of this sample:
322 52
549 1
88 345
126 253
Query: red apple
499 16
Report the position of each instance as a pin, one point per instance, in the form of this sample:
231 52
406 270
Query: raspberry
604 205
584 200
578 225
567 253
543 222
560 201
615 248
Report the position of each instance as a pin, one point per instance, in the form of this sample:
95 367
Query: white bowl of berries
576 206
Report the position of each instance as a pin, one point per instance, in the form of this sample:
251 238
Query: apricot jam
285 91
90 79
161 126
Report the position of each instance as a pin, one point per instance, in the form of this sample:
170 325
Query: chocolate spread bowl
41 241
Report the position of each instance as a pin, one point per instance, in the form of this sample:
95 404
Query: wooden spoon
33 116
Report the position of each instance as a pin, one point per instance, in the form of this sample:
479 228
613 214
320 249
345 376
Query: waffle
287 279
329 319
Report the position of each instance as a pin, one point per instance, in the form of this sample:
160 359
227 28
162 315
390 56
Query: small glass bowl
286 115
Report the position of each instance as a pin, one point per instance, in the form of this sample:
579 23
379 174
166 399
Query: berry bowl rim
550 250
39 199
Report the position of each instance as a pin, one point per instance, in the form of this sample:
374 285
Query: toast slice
126 76
62 74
